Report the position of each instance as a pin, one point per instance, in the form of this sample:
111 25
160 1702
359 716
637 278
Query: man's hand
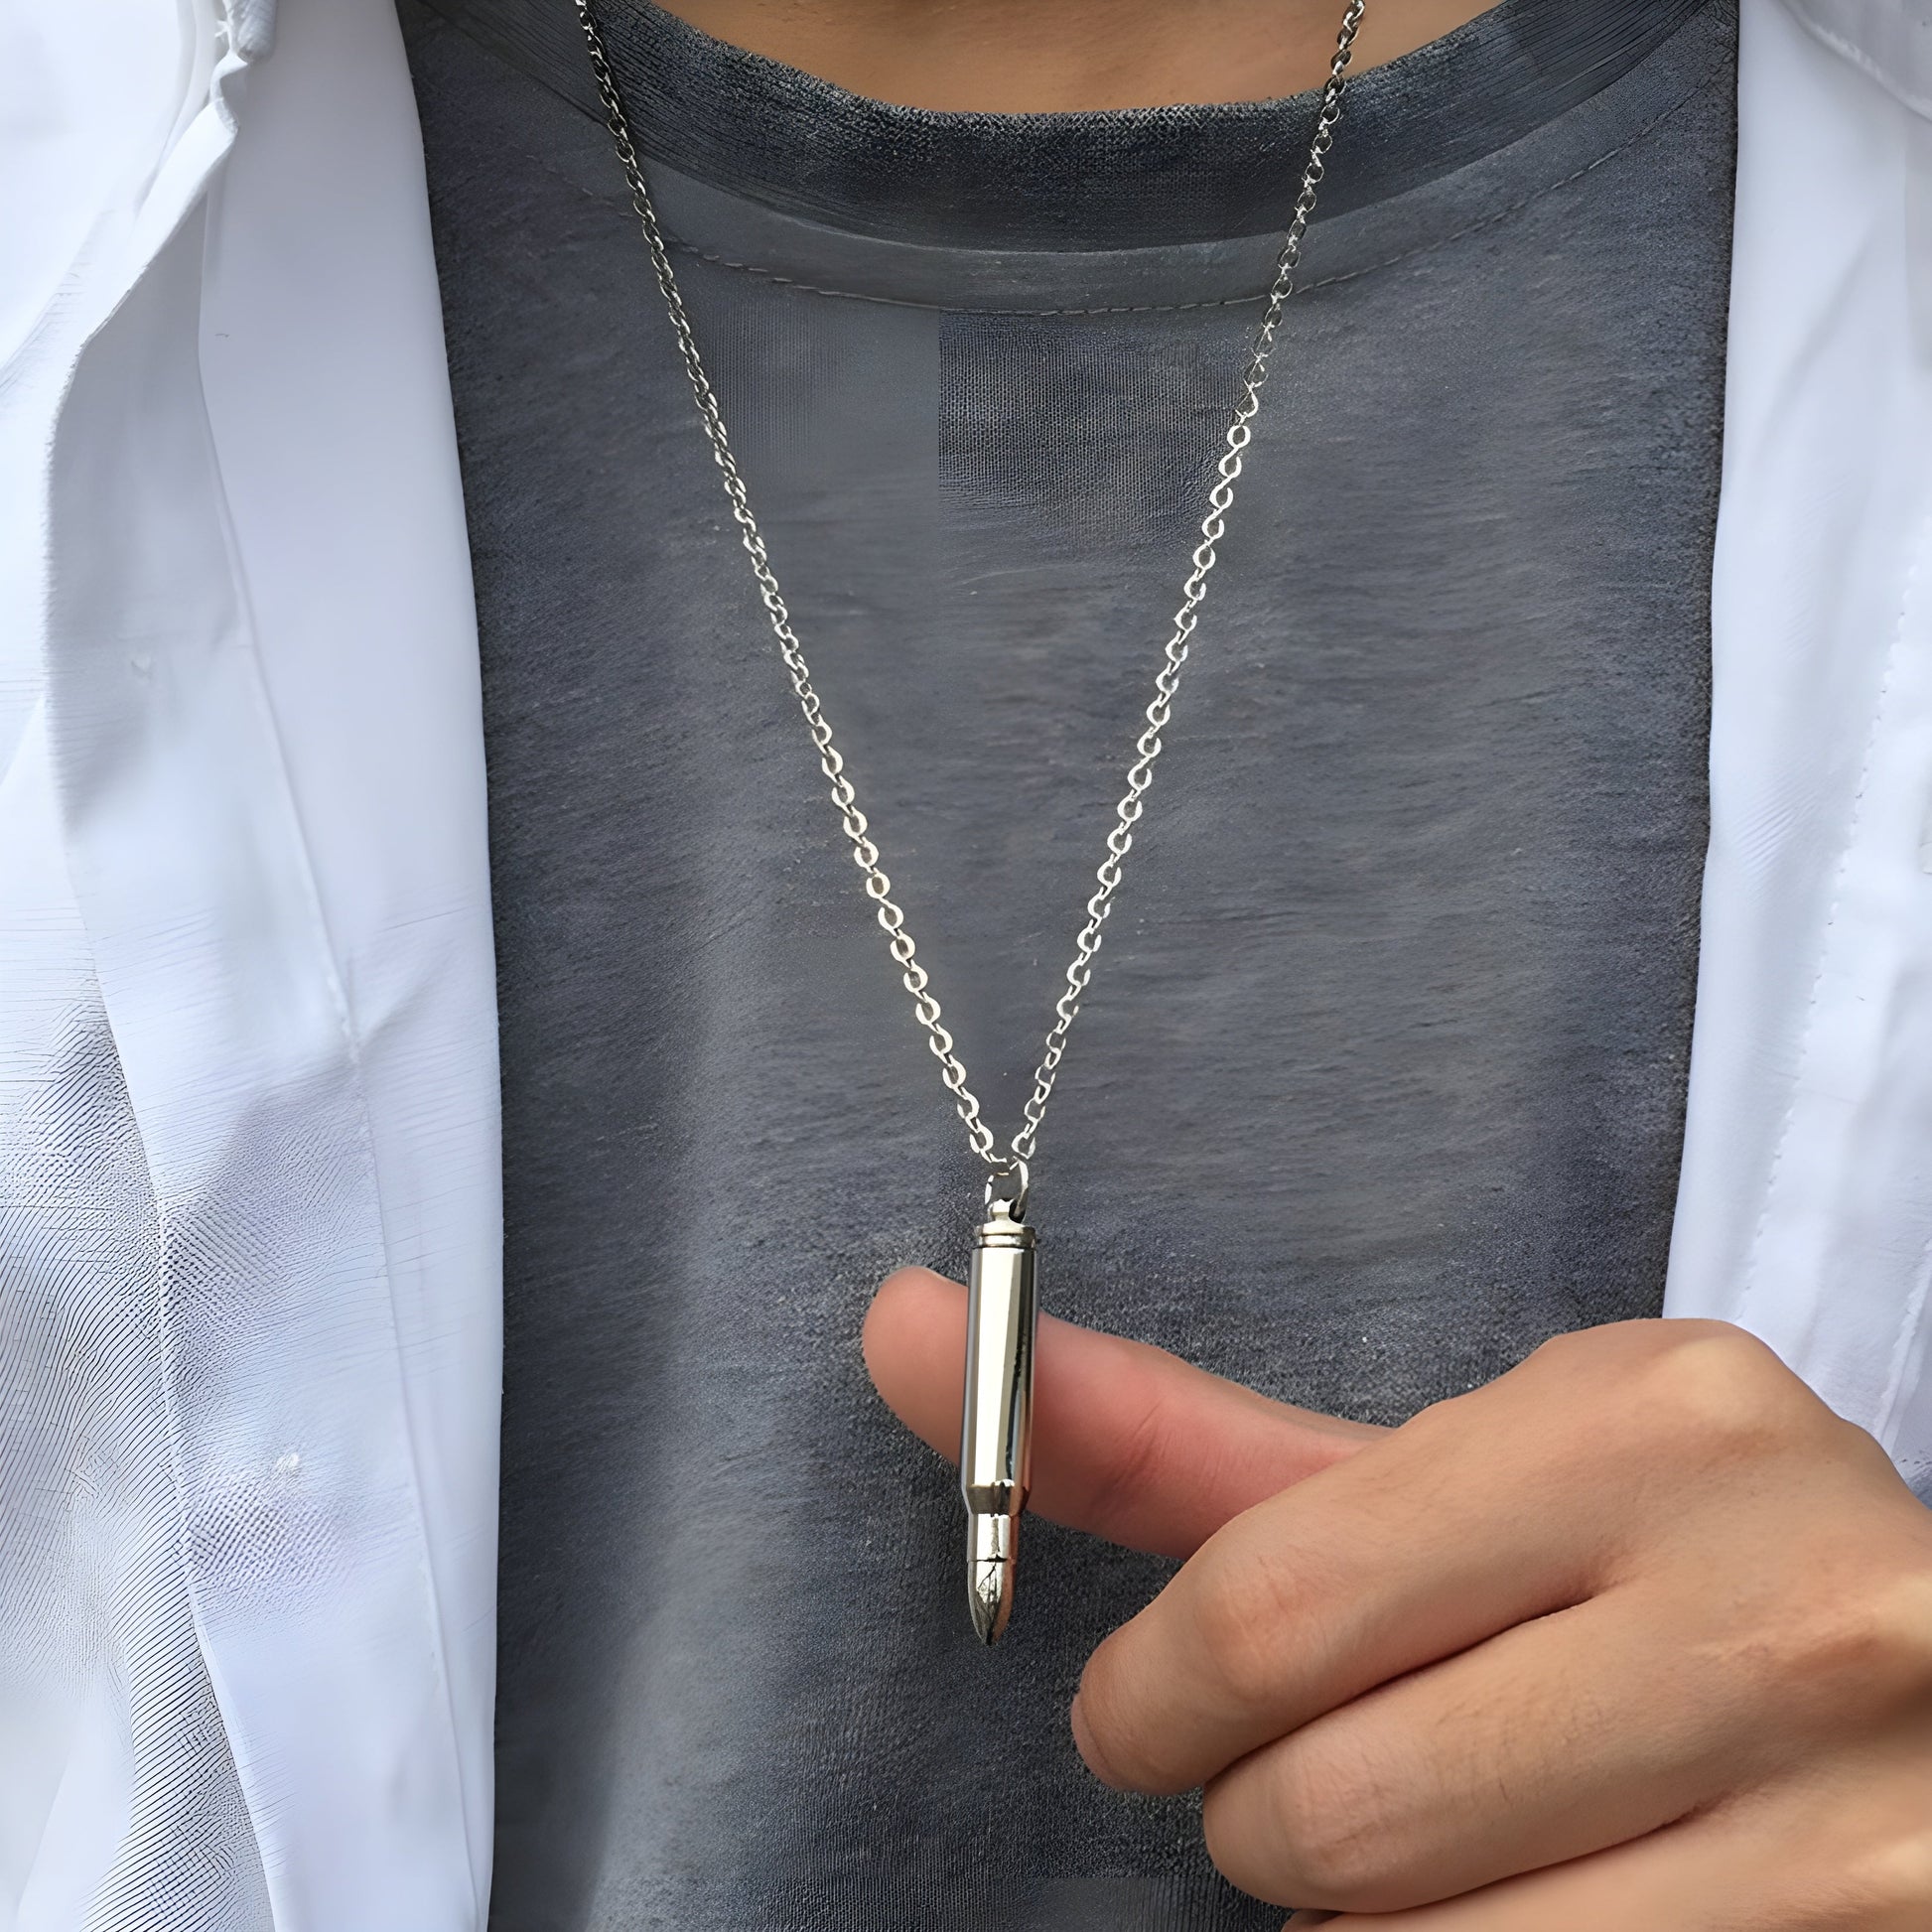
1638 1636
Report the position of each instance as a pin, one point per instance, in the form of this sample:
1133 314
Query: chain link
1007 1167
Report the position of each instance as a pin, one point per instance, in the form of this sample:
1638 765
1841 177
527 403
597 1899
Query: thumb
1130 1442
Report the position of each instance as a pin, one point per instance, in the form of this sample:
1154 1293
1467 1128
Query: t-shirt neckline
1126 179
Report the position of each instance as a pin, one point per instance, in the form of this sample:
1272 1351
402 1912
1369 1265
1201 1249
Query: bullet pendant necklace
996 1435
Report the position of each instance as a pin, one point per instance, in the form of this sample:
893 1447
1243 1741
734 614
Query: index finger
1131 1442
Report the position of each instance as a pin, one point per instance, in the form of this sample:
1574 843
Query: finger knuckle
1244 1623
1890 1646
1718 1393
1586 1355
1861 1649
1331 1817
1887 1887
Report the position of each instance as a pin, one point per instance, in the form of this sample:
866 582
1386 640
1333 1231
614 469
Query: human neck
1029 57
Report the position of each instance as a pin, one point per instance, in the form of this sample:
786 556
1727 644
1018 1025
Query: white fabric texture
1890 41
1806 1206
249 1349
248 1122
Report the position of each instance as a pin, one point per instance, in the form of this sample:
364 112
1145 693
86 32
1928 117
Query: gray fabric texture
1381 1079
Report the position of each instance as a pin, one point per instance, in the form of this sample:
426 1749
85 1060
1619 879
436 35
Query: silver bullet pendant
997 1432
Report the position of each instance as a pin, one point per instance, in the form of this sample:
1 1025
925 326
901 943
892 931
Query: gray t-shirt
1380 1081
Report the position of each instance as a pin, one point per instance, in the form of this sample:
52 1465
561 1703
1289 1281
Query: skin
1638 1636
1018 56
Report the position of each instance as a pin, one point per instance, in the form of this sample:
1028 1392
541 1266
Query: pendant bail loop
1006 1186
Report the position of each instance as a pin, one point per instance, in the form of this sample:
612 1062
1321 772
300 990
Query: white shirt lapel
250 719
1806 1207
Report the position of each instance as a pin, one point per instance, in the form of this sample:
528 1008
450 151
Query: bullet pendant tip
990 1591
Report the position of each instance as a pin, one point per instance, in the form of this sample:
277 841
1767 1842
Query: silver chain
1009 1169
